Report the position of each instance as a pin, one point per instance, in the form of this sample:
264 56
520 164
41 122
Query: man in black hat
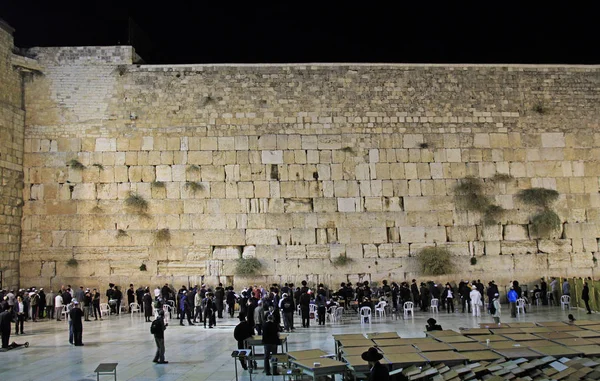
379 372
432 325
76 314
242 332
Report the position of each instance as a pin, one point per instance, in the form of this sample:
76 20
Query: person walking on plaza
512 299
184 309
585 296
58 305
448 296
158 330
476 301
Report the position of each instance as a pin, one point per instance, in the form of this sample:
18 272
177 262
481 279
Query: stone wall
298 164
11 161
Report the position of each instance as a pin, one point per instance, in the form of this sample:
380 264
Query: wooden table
587 350
402 360
573 342
535 343
586 322
255 341
520 336
505 345
584 334
522 325
567 328
552 324
595 340
537 330
475 331
349 336
106 369
416 340
433 347
356 343
357 364
515 353
356 351
494 325
491 338
388 342
505 331
382 335
447 357
328 367
557 351
554 335
398 349
464 347
446 332
485 355
595 327
456 339
307 354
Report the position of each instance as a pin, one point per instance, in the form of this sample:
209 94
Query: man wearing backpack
287 306
158 330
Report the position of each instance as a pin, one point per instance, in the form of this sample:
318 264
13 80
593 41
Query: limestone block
581 260
299 205
362 172
457 248
518 247
477 248
348 205
412 234
415 248
200 157
336 250
309 142
272 157
213 173
461 233
491 232
385 250
317 252
226 252
295 252
553 139
492 248
590 244
400 250
370 251
219 237
270 252
373 204
326 142
241 143
261 236
392 204
361 235
583 230
325 205
537 263
559 261
555 246
515 233
303 236
163 173
106 144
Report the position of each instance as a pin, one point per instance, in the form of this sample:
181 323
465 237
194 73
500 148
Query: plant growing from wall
248 266
72 262
348 150
75 164
502 178
158 184
122 234
539 108
473 261
545 221
163 235
194 186
99 166
143 267
469 195
193 168
342 261
424 145
136 203
97 209
434 260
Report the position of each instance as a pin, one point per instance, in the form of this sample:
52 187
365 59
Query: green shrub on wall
545 223
538 197
435 260
469 195
248 266
136 203
341 261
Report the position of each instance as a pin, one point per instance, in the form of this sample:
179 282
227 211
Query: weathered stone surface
518 247
515 233
555 246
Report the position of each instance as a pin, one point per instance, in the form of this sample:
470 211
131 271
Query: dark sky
199 31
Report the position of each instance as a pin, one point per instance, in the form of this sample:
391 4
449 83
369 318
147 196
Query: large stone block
220 237
555 246
515 233
461 233
518 247
261 237
226 252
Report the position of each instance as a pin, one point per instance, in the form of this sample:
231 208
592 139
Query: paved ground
194 353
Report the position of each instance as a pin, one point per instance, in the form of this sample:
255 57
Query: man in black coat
76 315
585 296
6 317
139 295
270 341
130 296
304 309
219 298
379 372
241 332
544 287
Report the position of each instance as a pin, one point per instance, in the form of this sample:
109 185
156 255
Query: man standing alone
158 330
76 315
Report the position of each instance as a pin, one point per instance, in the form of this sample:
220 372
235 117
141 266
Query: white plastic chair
65 312
123 308
339 314
365 315
167 308
380 309
565 302
520 305
434 305
104 309
330 314
134 307
409 307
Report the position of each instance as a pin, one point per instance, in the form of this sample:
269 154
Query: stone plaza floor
197 353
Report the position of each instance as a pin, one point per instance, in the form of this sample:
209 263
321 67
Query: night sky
199 31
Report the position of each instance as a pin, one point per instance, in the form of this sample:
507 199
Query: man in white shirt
476 303
58 306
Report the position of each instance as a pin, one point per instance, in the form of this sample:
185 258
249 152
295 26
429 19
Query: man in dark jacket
270 341
159 338
219 297
184 307
6 317
288 308
76 315
304 308
585 296
241 332
379 372
210 310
